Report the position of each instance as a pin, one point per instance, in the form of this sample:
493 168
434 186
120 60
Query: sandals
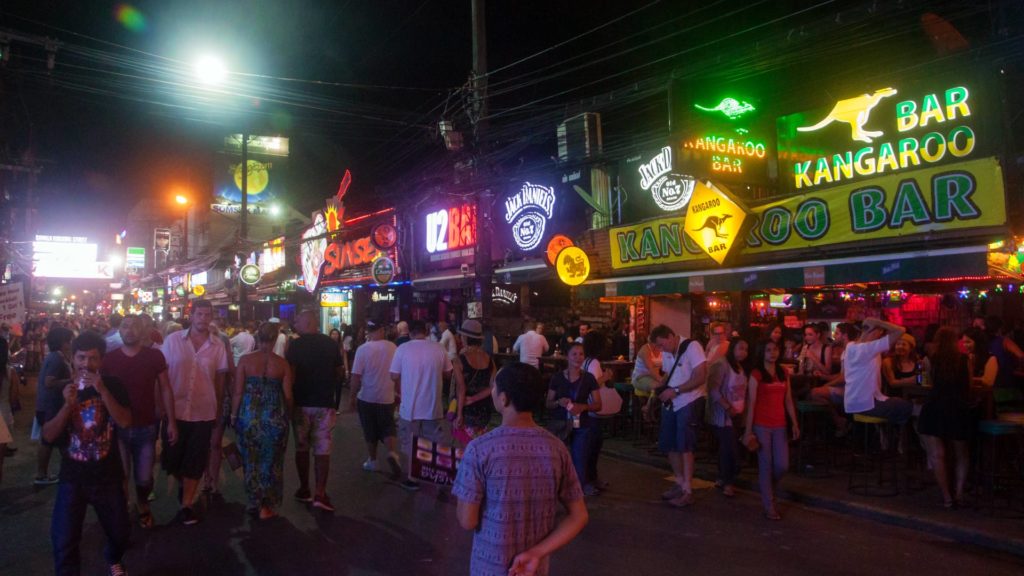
146 519
772 515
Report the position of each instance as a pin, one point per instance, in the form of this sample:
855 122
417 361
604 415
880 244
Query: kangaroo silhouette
854 111
714 223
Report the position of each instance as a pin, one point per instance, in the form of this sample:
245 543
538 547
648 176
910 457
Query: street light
210 70
183 200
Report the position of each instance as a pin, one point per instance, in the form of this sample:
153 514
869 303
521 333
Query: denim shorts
138 452
679 428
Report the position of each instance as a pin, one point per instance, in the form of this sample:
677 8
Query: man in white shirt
862 370
282 339
373 395
531 345
584 329
447 340
683 411
243 342
197 363
418 370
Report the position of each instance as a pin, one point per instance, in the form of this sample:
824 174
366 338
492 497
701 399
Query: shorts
439 431
313 427
188 457
138 450
377 420
679 428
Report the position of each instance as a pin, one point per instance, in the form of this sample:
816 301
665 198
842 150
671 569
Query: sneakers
684 501
410 485
45 481
323 503
396 468
303 495
188 517
370 465
117 570
672 493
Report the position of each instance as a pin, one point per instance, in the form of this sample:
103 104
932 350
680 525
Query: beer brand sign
670 191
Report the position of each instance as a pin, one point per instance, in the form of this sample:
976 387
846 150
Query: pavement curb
951 531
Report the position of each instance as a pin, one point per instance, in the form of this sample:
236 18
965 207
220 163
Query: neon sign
714 221
938 117
311 251
670 191
528 212
503 296
343 255
728 154
451 229
730 107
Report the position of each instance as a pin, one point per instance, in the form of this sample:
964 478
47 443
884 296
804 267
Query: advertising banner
12 303
447 235
433 462
937 200
267 161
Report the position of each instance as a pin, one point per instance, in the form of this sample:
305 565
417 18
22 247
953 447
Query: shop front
445 240
908 209
346 262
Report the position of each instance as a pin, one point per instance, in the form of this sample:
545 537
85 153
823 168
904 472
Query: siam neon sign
451 229
670 191
528 211
731 108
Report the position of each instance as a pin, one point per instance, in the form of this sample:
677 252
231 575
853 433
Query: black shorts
188 457
378 420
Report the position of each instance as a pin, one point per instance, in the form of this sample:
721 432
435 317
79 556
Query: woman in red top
767 405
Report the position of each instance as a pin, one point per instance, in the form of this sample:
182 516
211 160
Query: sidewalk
917 510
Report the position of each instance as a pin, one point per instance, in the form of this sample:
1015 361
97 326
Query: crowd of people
114 393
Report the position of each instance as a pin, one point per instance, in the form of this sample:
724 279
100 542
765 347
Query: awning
524 271
451 279
947 263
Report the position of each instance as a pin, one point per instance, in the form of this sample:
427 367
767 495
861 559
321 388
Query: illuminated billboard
267 159
68 257
273 255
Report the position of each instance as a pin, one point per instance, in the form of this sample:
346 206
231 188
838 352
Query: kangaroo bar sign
887 130
936 200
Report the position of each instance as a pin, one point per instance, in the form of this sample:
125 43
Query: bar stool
1000 465
814 451
873 471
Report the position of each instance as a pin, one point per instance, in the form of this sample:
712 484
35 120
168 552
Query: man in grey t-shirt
514 516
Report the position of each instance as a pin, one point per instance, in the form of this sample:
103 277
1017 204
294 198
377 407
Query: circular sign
250 274
557 243
199 289
383 270
179 290
572 265
672 191
384 236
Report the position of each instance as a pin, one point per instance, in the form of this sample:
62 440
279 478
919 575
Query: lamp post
183 201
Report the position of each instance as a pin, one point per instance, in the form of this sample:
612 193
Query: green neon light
731 107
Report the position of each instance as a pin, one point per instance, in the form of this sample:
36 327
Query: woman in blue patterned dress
261 403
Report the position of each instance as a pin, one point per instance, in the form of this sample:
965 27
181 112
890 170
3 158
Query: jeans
772 461
69 514
581 449
728 456
138 452
897 410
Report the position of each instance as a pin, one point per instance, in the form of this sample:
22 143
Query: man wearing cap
373 396
418 370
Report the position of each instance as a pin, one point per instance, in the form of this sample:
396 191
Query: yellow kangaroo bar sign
940 200
886 131
713 220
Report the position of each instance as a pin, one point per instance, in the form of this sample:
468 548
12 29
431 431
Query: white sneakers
370 465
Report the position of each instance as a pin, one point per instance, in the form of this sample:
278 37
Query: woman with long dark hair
945 415
983 366
261 403
769 400
727 393
573 396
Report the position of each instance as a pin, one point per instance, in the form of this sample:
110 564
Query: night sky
120 117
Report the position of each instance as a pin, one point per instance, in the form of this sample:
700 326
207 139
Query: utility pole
484 198
243 226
